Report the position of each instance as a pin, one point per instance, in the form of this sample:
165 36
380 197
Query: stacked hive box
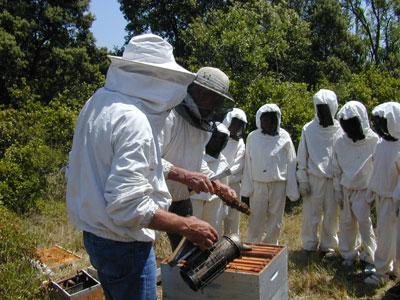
260 273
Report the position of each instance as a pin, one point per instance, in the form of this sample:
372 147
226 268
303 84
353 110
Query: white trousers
209 211
355 221
320 206
267 204
232 219
386 234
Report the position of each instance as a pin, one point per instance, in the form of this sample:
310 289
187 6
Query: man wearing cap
185 134
116 192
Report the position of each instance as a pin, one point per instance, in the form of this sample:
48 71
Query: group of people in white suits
341 168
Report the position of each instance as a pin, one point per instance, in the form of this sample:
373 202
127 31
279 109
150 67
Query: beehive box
79 287
258 274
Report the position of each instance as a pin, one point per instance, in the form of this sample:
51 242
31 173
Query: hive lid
56 256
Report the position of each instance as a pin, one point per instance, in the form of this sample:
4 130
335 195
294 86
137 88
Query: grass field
310 276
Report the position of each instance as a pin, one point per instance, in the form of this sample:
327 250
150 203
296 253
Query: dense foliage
279 51
45 47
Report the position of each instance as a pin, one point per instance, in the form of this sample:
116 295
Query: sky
109 26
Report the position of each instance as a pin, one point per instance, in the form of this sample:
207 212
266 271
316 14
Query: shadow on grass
330 276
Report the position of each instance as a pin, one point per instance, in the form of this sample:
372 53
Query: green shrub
371 87
23 171
19 280
34 143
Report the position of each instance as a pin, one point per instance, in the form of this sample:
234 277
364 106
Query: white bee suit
234 153
269 176
383 183
209 207
114 176
353 169
314 158
182 145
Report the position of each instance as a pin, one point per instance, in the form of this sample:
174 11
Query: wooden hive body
259 274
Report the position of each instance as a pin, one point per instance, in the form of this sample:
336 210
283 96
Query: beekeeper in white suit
269 175
234 152
206 206
353 168
385 179
184 136
315 174
116 193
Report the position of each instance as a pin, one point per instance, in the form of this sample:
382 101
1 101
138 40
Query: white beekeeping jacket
386 174
352 161
314 154
269 158
114 177
235 150
182 145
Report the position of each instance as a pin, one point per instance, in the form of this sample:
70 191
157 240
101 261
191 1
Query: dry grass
310 276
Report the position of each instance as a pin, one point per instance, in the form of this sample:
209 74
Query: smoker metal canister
204 266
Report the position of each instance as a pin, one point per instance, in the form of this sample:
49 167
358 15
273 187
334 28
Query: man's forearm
169 222
177 174
197 231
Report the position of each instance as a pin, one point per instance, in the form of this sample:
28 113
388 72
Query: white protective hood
269 158
353 164
234 113
324 96
148 71
235 150
268 108
355 109
391 112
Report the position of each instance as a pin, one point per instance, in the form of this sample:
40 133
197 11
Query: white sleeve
166 167
204 169
302 159
246 189
337 172
127 191
165 139
238 164
292 190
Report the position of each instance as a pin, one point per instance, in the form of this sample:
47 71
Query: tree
46 47
335 51
377 21
249 41
166 18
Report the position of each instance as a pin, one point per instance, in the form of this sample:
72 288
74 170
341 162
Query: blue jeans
126 270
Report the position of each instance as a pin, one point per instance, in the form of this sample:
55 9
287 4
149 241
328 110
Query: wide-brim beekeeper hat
215 80
151 53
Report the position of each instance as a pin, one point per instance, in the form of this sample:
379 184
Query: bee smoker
201 267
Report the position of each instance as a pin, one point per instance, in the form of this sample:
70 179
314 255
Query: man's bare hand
224 191
198 182
200 233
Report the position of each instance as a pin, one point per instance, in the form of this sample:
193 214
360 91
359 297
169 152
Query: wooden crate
79 287
259 274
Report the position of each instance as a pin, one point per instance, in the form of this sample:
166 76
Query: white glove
304 188
339 198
